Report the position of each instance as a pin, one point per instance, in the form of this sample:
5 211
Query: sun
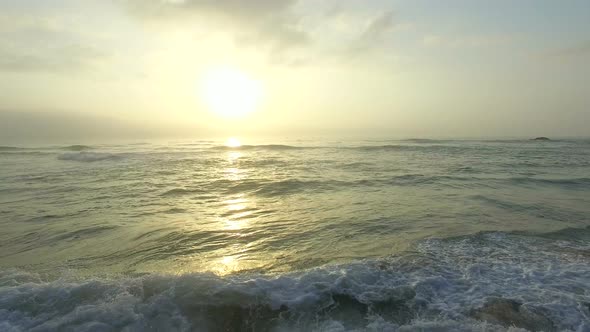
230 93
233 142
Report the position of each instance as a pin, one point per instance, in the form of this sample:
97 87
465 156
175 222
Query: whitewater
296 235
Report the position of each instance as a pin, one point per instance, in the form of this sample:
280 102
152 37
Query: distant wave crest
423 140
77 148
262 147
423 146
289 186
11 148
88 156
567 183
181 192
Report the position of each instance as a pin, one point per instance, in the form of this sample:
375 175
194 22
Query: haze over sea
296 235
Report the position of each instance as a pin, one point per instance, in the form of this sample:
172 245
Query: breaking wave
485 282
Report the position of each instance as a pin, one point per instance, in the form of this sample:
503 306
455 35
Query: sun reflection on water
234 225
233 156
236 215
228 264
233 172
234 220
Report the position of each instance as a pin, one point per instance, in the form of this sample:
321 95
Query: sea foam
484 282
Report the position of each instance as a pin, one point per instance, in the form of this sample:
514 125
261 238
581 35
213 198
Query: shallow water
297 235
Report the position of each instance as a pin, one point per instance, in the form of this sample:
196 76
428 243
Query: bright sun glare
233 142
230 93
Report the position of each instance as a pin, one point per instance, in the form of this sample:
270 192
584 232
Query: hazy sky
461 68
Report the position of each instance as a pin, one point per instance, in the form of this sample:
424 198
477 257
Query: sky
399 69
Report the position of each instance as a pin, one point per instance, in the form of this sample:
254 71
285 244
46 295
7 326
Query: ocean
296 235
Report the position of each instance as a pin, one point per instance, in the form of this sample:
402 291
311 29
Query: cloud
580 49
29 44
375 33
232 8
289 31
49 59
262 22
464 41
378 27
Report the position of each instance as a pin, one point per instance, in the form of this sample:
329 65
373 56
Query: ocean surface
299 235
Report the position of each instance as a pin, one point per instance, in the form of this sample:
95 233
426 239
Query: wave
486 281
464 178
572 183
294 186
567 234
270 188
278 147
181 192
88 156
538 210
424 140
259 187
42 150
392 147
281 147
396 147
426 147
77 148
16 151
11 148
397 180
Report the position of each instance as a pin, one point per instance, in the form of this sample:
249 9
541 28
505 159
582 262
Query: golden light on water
228 264
234 225
236 221
236 204
230 93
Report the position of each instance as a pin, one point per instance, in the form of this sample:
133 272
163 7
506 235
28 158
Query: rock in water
508 313
541 139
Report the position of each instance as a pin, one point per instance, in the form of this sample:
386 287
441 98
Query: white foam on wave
443 286
545 275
